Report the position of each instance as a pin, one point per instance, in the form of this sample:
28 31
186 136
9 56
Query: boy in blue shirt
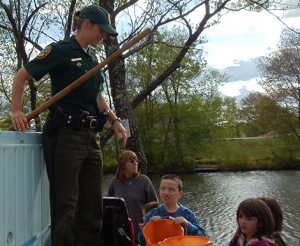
170 192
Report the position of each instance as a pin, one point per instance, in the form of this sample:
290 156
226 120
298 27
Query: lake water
214 198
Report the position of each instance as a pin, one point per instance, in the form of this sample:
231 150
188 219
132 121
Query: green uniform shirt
66 61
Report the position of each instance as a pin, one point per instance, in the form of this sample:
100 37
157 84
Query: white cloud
233 89
242 70
240 38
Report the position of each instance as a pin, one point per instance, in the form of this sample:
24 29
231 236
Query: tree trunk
119 93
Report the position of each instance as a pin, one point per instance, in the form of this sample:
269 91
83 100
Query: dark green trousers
74 166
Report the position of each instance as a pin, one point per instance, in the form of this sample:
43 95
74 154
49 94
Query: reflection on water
214 197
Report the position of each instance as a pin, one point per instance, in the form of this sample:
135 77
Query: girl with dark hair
255 224
276 210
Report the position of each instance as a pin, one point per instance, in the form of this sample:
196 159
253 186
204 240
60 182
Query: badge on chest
77 59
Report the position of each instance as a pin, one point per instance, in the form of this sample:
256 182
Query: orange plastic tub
186 241
157 231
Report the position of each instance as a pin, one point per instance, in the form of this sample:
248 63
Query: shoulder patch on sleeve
44 52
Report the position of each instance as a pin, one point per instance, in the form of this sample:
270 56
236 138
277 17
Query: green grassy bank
232 155
254 154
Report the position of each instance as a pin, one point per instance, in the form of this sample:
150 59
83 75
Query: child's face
248 225
169 191
131 167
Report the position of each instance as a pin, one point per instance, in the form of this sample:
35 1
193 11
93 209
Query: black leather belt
77 120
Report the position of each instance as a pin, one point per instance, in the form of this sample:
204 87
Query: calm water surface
214 198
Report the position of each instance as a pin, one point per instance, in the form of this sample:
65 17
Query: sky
239 40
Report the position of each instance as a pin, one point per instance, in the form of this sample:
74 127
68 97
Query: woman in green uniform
70 135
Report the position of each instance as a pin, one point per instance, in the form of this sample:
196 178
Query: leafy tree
280 73
230 121
264 116
165 124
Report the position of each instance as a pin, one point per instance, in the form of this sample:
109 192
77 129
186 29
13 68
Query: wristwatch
116 119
